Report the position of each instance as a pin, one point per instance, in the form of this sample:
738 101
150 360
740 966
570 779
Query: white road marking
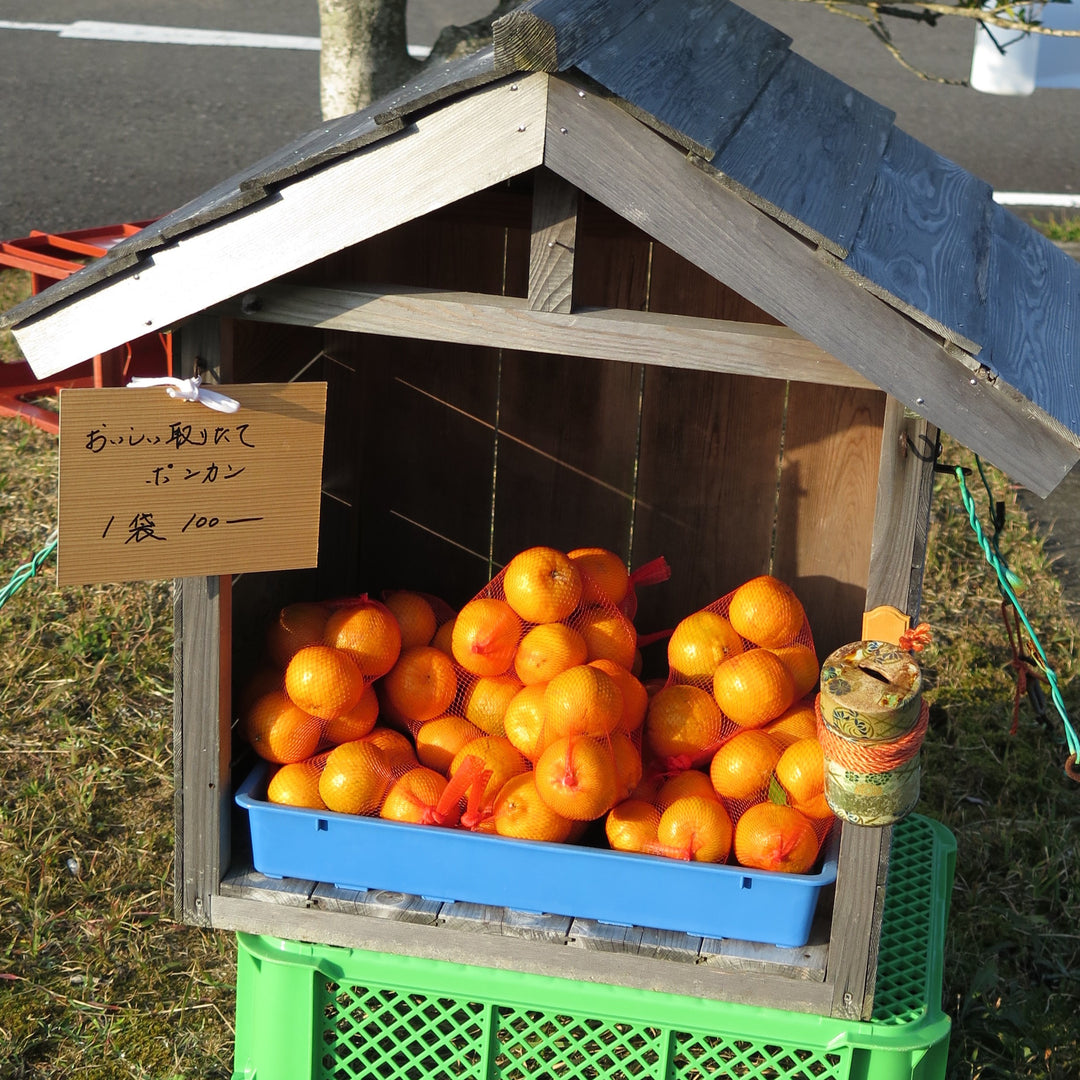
91 30
1036 198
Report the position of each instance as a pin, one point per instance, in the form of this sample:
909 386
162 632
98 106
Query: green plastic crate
316 1012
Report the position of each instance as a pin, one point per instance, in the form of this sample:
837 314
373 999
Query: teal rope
25 572
1008 582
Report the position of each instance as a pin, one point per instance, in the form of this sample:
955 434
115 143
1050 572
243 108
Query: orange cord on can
871 758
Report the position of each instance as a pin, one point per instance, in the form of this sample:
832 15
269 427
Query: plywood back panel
710 447
825 510
567 443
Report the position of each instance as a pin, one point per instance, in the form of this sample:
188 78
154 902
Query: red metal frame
47 257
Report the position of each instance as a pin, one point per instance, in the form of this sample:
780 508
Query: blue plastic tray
700 899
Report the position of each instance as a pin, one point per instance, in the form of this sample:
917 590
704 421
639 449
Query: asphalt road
96 132
99 132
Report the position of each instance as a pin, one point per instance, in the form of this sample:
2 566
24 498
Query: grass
96 979
1063 231
98 982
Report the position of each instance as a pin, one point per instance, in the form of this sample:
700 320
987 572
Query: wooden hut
639 276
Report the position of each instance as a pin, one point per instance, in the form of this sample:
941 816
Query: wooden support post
201 698
897 555
554 238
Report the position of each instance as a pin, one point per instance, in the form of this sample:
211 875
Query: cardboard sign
155 487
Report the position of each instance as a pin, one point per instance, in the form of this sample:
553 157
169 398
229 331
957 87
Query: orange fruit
444 636
635 697
700 643
801 770
485 636
422 684
279 730
687 782
525 721
605 578
631 825
542 585
396 748
297 625
753 688
801 662
683 726
546 650
297 784
415 616
498 754
519 812
356 723
369 633
414 797
816 809
584 701
439 740
608 634
767 612
262 682
355 778
649 786
488 700
697 827
323 681
576 777
797 722
742 768
627 758
770 836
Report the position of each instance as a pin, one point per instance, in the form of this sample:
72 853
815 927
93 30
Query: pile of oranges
517 715
523 714
732 757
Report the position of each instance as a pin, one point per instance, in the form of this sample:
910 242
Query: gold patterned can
872 799
871 691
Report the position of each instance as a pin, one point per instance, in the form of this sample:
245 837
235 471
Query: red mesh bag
317 689
736 711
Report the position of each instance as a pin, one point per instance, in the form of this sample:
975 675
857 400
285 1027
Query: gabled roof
783 182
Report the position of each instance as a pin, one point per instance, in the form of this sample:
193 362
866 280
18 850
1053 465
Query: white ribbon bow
190 390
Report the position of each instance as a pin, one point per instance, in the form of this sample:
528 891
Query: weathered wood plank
565 474
605 153
594 936
376 904
248 883
901 511
806 963
429 166
713 522
435 83
832 445
689 70
808 151
554 239
924 241
201 699
598 936
485 919
742 348
552 35
856 923
425 494
1031 343
520 954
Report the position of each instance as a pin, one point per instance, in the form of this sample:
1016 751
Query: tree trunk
364 53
